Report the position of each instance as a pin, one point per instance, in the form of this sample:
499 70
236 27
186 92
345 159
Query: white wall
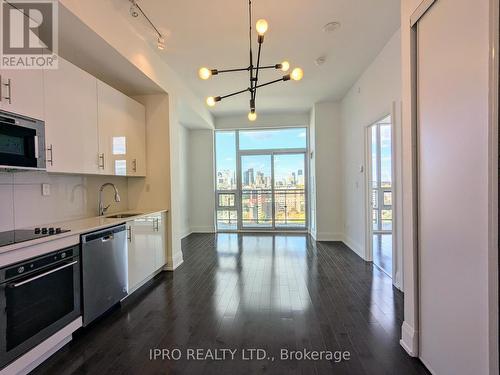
184 196
313 230
153 192
327 177
371 98
201 181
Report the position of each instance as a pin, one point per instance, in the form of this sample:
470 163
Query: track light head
161 43
134 12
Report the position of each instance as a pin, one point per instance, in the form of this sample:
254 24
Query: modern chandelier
261 26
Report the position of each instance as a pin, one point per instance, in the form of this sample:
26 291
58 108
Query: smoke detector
320 60
331 26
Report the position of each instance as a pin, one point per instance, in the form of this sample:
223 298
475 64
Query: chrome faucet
102 208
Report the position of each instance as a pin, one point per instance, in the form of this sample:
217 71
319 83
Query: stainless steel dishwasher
104 270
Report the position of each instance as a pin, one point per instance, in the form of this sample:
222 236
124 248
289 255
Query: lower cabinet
146 248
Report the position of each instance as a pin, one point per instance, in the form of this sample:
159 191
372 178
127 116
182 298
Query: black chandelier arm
284 78
220 71
235 93
256 80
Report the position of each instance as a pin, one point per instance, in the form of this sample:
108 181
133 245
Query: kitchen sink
122 216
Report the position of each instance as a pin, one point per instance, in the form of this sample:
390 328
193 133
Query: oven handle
43 275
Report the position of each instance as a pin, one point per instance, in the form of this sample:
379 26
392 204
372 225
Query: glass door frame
271 153
369 190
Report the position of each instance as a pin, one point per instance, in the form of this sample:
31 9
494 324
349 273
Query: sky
258 139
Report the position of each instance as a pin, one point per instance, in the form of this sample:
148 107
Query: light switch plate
45 190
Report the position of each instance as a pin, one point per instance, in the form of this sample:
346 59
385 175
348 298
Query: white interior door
452 128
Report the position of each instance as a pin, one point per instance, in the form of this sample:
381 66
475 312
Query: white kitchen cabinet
146 248
122 133
71 120
21 92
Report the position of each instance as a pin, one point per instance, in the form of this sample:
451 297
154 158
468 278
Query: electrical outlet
45 190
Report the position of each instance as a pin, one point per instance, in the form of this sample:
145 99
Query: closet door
452 71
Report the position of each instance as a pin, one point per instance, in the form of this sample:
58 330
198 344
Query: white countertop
81 226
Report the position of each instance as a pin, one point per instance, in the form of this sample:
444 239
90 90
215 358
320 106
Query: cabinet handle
9 85
129 234
51 159
134 165
156 224
101 159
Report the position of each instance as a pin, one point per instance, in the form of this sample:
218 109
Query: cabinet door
136 132
71 119
121 123
22 92
161 241
141 250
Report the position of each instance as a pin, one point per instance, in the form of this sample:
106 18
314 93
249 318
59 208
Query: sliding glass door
261 179
256 191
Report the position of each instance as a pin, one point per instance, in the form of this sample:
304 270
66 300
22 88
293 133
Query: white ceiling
215 34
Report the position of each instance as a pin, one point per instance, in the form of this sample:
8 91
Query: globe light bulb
252 116
261 26
204 73
297 74
285 65
210 101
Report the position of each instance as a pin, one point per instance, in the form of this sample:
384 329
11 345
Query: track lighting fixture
135 10
261 27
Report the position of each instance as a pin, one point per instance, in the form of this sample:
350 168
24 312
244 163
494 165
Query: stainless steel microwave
22 142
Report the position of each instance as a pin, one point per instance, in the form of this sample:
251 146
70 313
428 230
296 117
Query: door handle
43 274
9 85
107 238
51 159
101 158
37 155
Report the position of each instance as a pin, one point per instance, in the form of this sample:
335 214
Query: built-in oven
38 297
22 142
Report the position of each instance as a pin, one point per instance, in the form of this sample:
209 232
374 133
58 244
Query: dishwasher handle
104 235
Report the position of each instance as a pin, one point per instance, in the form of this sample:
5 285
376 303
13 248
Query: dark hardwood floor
263 291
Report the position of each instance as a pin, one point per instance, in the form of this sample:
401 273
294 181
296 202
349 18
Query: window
273 139
261 179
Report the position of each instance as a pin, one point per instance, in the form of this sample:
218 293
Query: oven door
22 142
35 307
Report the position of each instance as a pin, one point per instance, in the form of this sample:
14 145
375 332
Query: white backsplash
71 197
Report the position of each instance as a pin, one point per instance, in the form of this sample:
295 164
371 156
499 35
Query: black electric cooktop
21 235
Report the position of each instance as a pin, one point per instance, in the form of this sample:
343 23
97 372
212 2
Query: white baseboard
409 339
186 233
203 229
358 249
328 236
176 262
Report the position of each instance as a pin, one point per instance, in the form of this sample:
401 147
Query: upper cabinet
71 120
122 133
21 92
